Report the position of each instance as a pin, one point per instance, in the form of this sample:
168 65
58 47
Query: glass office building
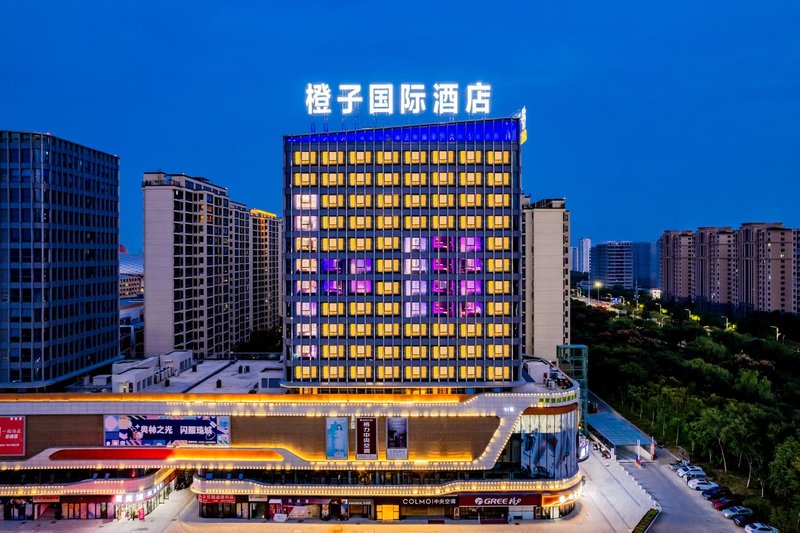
403 248
59 234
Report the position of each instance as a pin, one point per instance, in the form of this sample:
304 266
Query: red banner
499 500
216 498
12 435
366 438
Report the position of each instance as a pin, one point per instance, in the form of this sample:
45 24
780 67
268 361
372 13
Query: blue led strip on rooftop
484 130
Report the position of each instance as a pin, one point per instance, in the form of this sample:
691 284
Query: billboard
157 430
366 437
12 435
397 437
336 446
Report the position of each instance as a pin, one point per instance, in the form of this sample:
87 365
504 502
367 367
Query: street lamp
689 311
777 332
598 285
726 322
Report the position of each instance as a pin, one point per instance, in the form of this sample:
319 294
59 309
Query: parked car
742 520
686 470
694 475
717 493
679 464
724 503
759 527
702 484
730 512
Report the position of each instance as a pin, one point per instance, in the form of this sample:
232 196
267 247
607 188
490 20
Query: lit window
387 158
306 330
331 244
305 265
388 287
416 330
470 221
499 372
360 266
360 330
413 266
387 179
498 157
305 351
471 330
388 200
306 309
441 265
332 287
360 157
498 350
333 350
470 308
360 308
360 200
469 156
498 330
388 352
470 286
415 157
305 372
416 200
498 243
440 179
332 222
443 243
360 350
360 286
415 244
499 222
360 178
470 178
305 158
388 330
332 265
416 287
415 309
388 308
306 287
333 330
388 265
498 308
305 223
332 158
387 222
332 309
443 287
416 372
444 330
332 200
443 156
470 372
498 200
470 265
305 244
442 200
306 201
415 178
443 221
332 179
499 265
360 244
442 309
388 372
469 244
305 179
360 222
443 372
416 222
416 352
388 243
499 287
469 200
332 372
498 179
444 352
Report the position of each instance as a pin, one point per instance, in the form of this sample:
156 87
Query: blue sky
644 115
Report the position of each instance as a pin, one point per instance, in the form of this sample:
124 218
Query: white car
702 484
758 527
682 472
730 512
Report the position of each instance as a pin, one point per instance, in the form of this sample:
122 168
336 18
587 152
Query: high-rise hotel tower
403 248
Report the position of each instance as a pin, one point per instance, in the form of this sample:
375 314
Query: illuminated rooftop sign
410 99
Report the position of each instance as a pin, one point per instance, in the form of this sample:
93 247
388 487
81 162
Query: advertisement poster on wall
336 446
156 430
397 437
366 438
12 435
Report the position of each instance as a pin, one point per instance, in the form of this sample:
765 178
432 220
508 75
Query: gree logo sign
498 501
408 99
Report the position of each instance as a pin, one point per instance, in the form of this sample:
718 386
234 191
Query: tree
784 470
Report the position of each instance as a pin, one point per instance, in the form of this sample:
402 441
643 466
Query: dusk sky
644 115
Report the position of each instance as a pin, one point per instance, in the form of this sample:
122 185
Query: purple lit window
303 351
415 287
331 265
306 287
441 308
415 244
306 309
332 287
361 286
471 308
360 266
442 287
415 309
469 244
470 286
441 265
443 243
471 265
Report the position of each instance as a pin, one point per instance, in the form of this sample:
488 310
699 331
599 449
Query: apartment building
677 254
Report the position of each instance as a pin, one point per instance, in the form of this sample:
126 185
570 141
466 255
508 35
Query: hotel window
388 243
444 330
360 372
387 222
360 308
360 178
305 351
469 178
332 309
498 200
332 265
305 158
388 330
416 352
443 221
469 244
499 372
388 372
416 372
415 200
388 200
333 372
413 266
416 222
441 265
470 265
333 330
332 179
388 179
440 179
332 158
470 309
332 222
360 200
388 352
498 330
332 287
416 330
330 244
360 157
305 372
388 287
306 330
305 179
468 287
388 265
499 265
306 287
469 156
306 201
498 157
444 352
498 179
498 287
388 308
443 372
470 372
305 265
443 287
360 286
470 221
360 222
332 200
496 351
498 222
441 157
360 350
498 243
306 223
360 266
470 330
333 350
469 200
416 287
305 244
442 200
360 244
442 308
415 244
415 157
498 308
360 330
446 244
415 178
388 158
470 352
415 309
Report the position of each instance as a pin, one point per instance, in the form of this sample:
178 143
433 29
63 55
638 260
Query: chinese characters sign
154 430
12 435
366 438
405 99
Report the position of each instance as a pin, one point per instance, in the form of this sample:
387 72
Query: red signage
366 438
216 498
12 435
499 500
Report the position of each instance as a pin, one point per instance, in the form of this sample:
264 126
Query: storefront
85 507
137 505
17 508
498 506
